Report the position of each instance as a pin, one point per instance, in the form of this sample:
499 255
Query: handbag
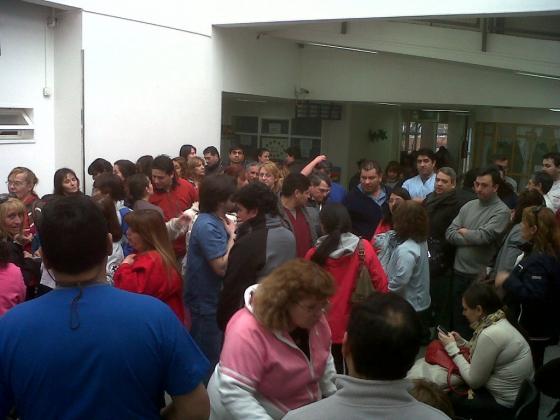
437 355
363 287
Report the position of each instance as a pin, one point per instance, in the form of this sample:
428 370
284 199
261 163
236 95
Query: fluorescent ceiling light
542 76
260 101
554 109
317 44
445 110
387 103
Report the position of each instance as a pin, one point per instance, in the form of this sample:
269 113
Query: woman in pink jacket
276 355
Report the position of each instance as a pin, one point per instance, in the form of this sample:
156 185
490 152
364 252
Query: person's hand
184 220
320 158
129 259
23 238
462 231
230 227
501 278
27 254
446 338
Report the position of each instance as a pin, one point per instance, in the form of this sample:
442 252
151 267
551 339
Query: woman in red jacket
152 270
337 252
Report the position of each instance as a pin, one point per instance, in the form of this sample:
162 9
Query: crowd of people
244 277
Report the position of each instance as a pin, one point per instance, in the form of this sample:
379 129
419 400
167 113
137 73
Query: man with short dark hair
551 165
303 221
319 189
476 234
375 387
94 339
213 162
236 156
423 183
542 182
173 195
211 239
292 161
364 203
99 166
262 243
502 162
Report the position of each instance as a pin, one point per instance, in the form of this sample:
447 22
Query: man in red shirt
173 195
303 221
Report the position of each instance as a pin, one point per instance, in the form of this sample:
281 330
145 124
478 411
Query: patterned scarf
481 324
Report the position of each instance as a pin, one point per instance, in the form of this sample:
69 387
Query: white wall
147 89
27 53
68 91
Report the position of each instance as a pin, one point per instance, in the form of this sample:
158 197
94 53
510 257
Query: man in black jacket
262 244
443 206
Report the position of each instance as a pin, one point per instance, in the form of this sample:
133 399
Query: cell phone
442 330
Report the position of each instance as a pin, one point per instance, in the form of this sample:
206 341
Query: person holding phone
500 357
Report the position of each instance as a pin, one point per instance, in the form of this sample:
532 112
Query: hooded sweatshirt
343 264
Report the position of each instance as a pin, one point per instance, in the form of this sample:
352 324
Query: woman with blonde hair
152 270
276 354
12 214
271 176
533 287
195 171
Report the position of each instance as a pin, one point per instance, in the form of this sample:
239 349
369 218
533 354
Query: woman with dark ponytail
337 252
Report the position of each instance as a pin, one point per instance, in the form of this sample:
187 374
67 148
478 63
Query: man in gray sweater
476 233
375 387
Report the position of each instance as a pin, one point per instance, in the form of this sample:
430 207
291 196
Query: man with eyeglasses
476 234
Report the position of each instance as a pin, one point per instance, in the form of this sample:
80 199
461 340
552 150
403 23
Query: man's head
252 172
540 181
296 186
99 166
425 162
111 185
446 179
21 182
551 165
236 155
163 173
73 234
215 192
292 154
390 352
255 200
320 187
211 156
487 182
370 176
502 161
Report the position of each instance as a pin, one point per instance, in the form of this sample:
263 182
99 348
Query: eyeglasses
313 309
15 183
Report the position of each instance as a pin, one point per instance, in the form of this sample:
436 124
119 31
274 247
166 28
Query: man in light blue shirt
423 183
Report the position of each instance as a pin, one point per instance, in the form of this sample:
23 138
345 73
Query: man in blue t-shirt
87 350
212 237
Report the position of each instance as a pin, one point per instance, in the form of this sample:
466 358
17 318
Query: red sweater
147 275
173 203
345 271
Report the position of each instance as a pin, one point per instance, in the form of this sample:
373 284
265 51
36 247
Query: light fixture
387 103
446 110
541 76
554 109
259 101
339 47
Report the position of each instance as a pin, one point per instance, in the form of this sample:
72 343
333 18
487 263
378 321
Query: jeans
209 338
